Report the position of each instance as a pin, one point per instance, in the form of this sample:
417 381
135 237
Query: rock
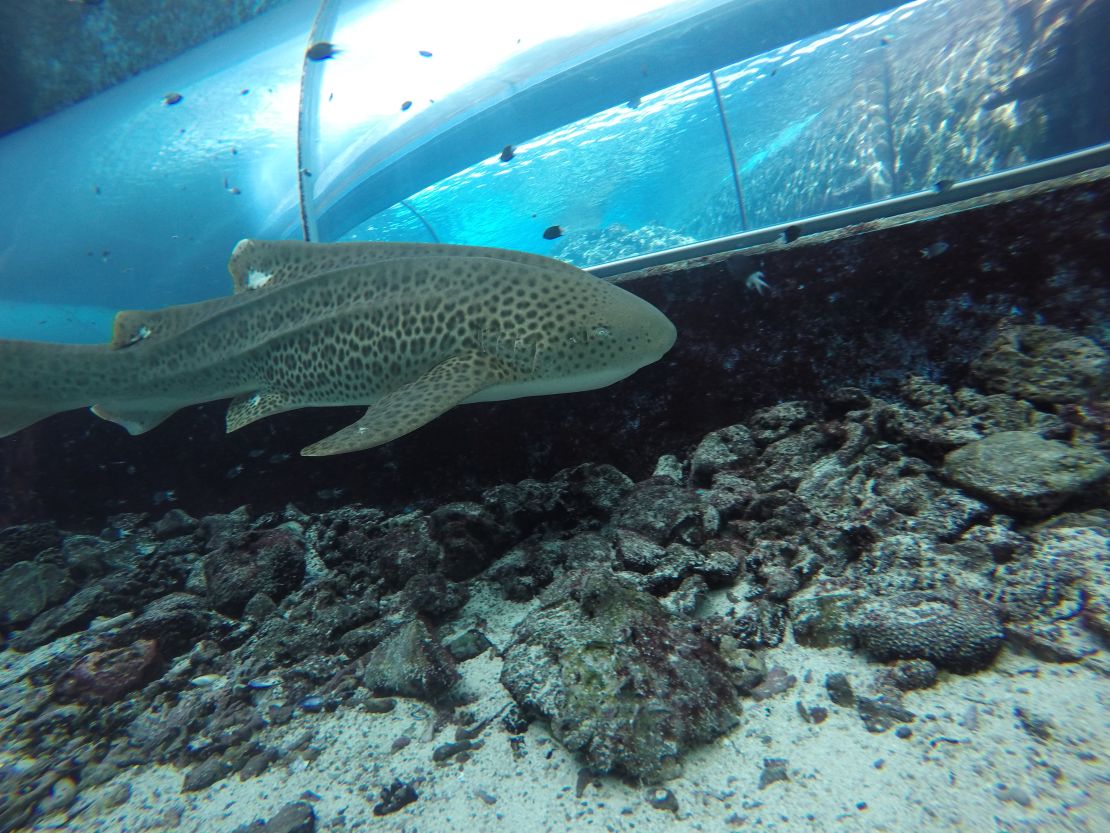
205 774
105 676
175 523
74 614
27 588
909 675
1021 472
819 614
952 630
270 561
619 680
178 621
394 797
473 643
727 448
774 769
880 713
839 689
771 424
24 542
665 513
1045 365
470 538
410 663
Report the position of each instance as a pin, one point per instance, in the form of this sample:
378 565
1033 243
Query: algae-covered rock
951 630
1024 473
27 588
1043 364
411 663
620 680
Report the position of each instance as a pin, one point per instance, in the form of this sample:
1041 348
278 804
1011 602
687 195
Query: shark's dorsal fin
134 326
417 403
256 264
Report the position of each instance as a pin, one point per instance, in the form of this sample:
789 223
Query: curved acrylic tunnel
128 200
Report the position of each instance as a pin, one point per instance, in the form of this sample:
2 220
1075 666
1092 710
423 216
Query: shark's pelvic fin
251 407
417 403
135 420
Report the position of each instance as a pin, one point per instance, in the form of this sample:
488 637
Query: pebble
662 799
61 796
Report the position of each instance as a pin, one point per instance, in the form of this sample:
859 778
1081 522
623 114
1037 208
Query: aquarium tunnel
608 135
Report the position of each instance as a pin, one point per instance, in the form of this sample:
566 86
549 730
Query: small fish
424 53
206 680
552 232
234 191
633 103
943 185
321 51
884 41
934 250
406 106
507 153
170 99
265 682
244 91
791 233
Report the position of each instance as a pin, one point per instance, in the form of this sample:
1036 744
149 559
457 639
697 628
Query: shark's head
575 332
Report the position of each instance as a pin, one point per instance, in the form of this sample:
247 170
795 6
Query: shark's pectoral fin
249 408
135 420
412 405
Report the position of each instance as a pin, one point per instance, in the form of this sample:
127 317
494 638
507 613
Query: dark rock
73 615
952 630
433 594
840 690
880 713
401 552
24 542
527 568
774 769
1021 472
205 774
585 492
664 513
258 763
410 663
771 424
218 530
690 594
469 536
27 588
663 799
819 614
727 448
1043 364
175 523
812 714
784 463
105 676
619 680
472 643
446 751
177 621
910 675
269 561
295 817
776 682
394 797
761 624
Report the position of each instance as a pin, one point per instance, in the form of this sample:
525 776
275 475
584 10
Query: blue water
148 217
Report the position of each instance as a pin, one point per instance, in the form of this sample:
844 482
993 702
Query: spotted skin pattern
410 330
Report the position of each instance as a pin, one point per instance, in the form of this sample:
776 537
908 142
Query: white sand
946 777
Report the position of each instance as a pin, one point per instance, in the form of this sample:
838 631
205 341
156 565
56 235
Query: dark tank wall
862 307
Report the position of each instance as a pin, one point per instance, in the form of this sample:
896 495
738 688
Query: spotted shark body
410 330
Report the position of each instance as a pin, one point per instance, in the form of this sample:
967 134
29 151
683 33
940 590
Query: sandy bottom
969 764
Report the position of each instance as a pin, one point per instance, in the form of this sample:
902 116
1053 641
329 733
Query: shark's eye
601 331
